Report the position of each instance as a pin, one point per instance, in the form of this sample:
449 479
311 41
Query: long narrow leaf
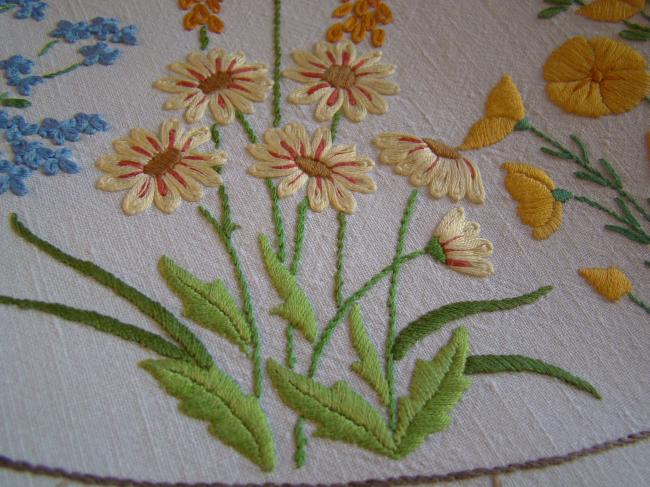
436 319
167 321
492 364
102 323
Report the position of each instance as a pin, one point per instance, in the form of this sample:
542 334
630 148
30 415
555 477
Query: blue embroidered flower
30 8
24 86
59 159
13 177
16 127
99 53
30 154
71 32
126 36
14 66
58 132
102 28
90 124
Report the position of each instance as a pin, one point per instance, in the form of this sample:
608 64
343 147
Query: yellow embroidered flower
162 169
612 10
540 201
332 173
595 77
337 79
364 16
220 80
610 283
503 109
430 162
456 244
203 12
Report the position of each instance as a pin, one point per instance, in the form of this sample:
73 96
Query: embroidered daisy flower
456 244
430 162
162 170
220 80
331 173
337 79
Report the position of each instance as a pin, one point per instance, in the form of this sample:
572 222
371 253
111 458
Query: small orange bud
350 24
188 21
214 5
342 10
215 24
334 33
368 21
185 4
377 37
358 34
384 14
361 8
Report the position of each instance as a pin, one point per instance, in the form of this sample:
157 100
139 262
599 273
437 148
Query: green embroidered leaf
630 234
436 387
338 411
208 304
492 364
296 309
103 323
210 395
369 367
547 13
436 319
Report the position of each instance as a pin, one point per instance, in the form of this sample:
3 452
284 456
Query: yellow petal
612 10
505 101
610 283
487 131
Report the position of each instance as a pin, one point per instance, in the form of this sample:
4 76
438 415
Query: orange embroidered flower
595 77
337 79
202 12
540 201
364 17
433 163
610 283
161 169
612 10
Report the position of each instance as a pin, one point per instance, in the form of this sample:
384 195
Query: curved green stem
604 209
47 47
277 62
392 310
72 67
639 303
342 311
340 259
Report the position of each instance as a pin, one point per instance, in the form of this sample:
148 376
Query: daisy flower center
442 150
313 167
215 82
339 76
162 162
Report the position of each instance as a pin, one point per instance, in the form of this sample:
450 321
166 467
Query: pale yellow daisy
219 80
332 174
163 170
337 79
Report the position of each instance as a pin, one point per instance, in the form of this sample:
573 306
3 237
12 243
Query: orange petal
188 21
214 5
377 37
361 8
334 33
215 24
610 283
359 33
342 10
350 24
384 14
611 10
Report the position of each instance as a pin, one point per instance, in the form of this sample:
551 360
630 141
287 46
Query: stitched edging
86 478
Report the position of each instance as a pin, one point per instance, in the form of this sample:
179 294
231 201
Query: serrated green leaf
338 411
208 304
436 387
369 367
547 13
616 179
492 364
210 395
627 214
296 309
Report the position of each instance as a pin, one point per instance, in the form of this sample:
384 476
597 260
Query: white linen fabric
74 398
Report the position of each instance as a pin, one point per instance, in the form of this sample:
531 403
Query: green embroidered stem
5 101
326 334
242 283
72 67
340 257
154 310
7 7
299 235
300 439
103 323
278 221
639 303
335 124
204 40
604 209
277 62
392 310
47 47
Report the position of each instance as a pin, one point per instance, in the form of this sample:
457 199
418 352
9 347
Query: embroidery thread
363 16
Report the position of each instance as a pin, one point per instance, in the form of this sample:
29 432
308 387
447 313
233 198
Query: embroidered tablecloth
324 242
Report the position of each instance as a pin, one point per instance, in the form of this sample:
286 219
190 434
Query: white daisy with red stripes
219 80
336 79
163 169
332 173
